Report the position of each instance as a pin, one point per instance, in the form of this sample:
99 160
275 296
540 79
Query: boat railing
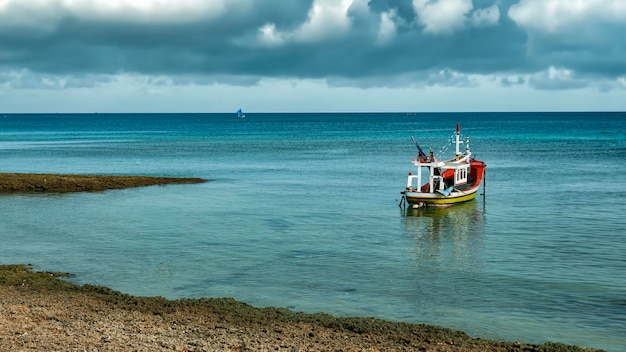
412 179
438 184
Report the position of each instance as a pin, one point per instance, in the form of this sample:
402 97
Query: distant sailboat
240 114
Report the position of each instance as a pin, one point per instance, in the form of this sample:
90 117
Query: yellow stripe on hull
440 200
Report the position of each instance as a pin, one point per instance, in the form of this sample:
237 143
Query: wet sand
43 311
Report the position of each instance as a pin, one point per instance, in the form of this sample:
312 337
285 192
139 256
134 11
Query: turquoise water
301 211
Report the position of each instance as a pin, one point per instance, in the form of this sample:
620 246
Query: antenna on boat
457 135
419 149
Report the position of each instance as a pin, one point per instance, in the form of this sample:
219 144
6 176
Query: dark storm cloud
357 43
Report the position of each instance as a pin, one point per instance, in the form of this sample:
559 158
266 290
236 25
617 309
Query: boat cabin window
461 176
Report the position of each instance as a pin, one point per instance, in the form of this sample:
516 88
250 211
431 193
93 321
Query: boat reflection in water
447 239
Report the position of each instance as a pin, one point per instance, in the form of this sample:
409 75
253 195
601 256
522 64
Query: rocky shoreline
59 183
42 311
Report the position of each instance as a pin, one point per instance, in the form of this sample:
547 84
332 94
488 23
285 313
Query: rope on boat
447 145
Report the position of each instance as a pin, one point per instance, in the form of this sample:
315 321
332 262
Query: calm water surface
301 211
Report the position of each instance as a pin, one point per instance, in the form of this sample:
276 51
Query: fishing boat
447 182
240 114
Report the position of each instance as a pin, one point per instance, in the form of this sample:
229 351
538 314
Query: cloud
486 17
25 79
327 20
583 36
387 29
545 44
34 13
509 81
567 15
556 79
442 16
269 36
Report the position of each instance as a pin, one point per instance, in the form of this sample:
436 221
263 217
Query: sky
81 56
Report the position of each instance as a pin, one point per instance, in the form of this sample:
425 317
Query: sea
302 211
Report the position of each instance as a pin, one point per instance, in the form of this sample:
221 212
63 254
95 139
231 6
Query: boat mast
458 139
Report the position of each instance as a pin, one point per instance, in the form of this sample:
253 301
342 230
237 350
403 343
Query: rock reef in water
40 311
59 183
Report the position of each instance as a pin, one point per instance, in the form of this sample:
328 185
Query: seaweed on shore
61 183
229 312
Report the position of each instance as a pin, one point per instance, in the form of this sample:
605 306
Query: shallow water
302 212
